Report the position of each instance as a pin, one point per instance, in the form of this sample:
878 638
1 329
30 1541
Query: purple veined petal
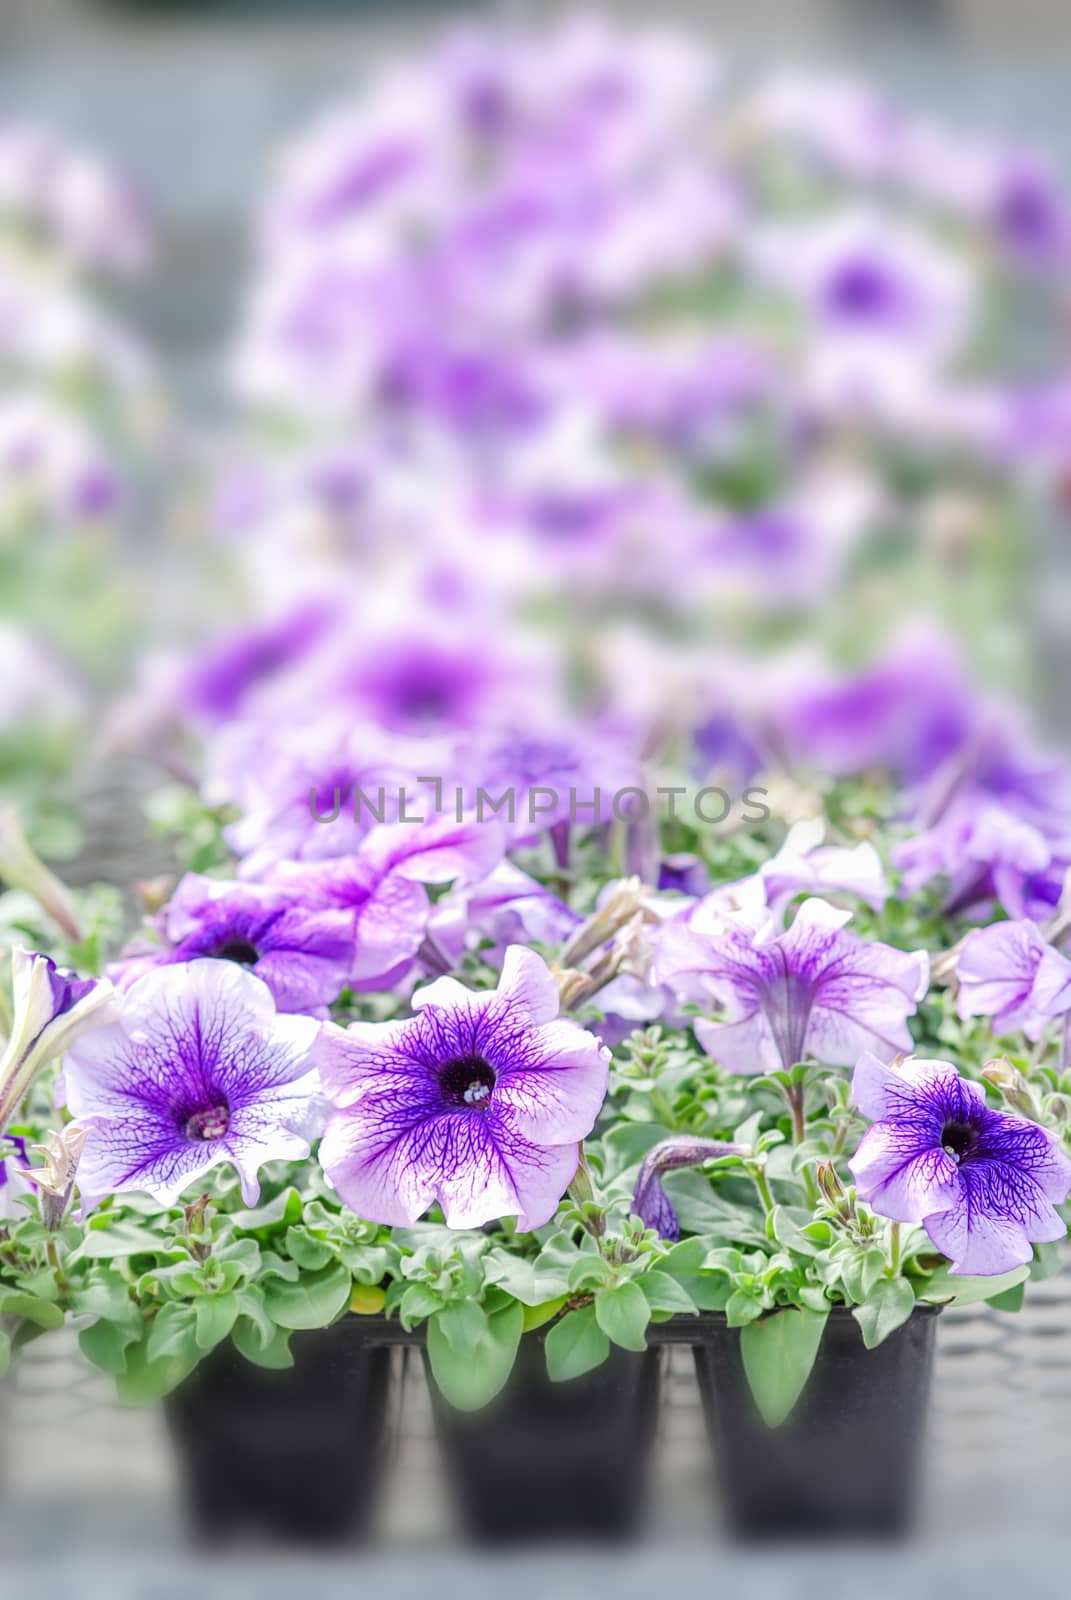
1028 1149
384 1170
527 988
355 1061
1001 1214
559 1102
902 1172
880 1090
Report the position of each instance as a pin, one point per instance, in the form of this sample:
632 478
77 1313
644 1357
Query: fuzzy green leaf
886 1308
313 1302
469 1378
575 1345
778 1352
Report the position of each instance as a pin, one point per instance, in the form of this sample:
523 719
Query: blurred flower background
564 402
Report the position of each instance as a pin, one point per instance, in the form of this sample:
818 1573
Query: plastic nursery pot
549 1462
292 1456
845 1463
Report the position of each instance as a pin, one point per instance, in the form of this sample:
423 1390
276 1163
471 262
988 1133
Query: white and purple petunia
815 991
478 1101
197 1069
982 1183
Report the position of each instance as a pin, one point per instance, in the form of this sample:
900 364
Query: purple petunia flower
197 1069
479 1102
381 888
1009 972
982 1183
815 991
303 954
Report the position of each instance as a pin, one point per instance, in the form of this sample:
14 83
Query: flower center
958 1140
239 950
210 1124
467 1081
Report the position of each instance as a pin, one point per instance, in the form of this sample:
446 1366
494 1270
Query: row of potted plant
535 1215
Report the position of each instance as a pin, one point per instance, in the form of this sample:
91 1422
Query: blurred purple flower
303 953
479 1102
197 1070
1010 973
982 1183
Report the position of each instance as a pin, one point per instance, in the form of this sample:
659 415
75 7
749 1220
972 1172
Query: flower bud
650 1202
620 905
1013 1087
50 1009
54 1181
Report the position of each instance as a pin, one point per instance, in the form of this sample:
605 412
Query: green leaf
886 1308
308 1252
215 1316
174 1332
575 1345
463 1324
539 1316
276 1214
778 1352
5 1352
145 1380
1009 1299
468 1379
314 1301
106 1238
946 1287
42 1312
106 1345
623 1314
273 1352
664 1293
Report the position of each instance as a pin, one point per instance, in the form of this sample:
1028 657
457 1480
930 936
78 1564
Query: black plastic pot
291 1456
555 1461
845 1463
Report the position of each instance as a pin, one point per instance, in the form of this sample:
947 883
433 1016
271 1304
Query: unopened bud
830 1186
620 905
1013 1087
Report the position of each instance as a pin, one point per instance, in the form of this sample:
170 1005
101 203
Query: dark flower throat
467 1081
958 1139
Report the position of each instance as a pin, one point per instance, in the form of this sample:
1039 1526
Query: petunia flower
303 954
815 991
381 888
805 863
50 1009
1010 973
982 1183
479 1102
197 1069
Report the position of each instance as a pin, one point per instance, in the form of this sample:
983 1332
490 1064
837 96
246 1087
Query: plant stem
762 1185
796 1096
894 1250
62 1281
